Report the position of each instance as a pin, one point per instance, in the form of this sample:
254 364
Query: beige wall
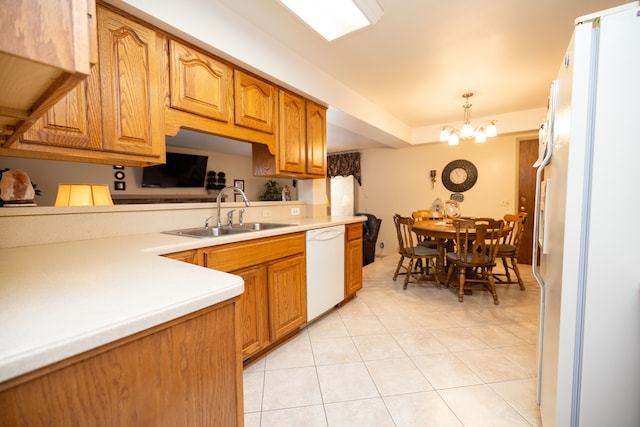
398 181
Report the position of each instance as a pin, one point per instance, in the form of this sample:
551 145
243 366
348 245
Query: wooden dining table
441 231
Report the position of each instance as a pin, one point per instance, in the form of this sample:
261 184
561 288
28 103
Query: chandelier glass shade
483 131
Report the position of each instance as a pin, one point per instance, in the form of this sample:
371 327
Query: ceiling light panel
335 18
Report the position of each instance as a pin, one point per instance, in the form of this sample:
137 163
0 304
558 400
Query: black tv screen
181 170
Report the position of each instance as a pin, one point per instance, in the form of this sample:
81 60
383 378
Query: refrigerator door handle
542 164
548 129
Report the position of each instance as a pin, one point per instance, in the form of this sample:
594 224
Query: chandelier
484 130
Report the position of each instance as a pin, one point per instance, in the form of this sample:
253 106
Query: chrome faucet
240 219
235 189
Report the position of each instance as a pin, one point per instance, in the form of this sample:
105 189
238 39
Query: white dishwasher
325 269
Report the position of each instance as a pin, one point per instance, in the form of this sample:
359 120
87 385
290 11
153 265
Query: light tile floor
405 358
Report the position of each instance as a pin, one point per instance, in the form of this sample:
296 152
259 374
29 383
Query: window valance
344 164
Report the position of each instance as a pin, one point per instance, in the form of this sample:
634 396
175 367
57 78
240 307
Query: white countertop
58 300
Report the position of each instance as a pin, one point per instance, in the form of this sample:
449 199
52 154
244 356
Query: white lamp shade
481 137
467 130
83 195
444 135
492 130
453 139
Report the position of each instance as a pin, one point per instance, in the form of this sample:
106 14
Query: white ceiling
422 55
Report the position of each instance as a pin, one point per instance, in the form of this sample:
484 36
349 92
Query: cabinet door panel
292 143
353 266
74 121
316 140
287 295
191 256
199 84
255 103
252 308
129 85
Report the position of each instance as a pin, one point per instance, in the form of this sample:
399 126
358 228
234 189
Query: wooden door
287 295
316 140
526 195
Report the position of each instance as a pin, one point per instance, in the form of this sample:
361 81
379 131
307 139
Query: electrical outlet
266 213
295 211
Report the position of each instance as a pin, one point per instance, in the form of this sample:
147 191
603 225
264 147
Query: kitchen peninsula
105 326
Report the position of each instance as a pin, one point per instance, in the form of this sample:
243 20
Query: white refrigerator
587 228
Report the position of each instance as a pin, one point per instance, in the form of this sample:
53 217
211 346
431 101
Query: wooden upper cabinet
255 103
302 141
316 140
44 53
200 84
73 122
292 134
131 103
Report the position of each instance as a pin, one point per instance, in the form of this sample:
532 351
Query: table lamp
83 195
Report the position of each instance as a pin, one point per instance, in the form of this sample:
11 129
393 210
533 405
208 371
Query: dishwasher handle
326 235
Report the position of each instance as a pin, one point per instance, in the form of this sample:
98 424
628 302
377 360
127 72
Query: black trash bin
370 230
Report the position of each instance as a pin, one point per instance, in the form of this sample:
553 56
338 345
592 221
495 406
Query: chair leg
461 278
447 281
395 275
514 264
409 272
492 284
506 270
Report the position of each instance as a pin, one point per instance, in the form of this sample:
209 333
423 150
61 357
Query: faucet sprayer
235 189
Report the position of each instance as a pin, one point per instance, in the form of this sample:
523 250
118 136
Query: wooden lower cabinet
254 319
287 291
274 303
184 372
353 260
191 256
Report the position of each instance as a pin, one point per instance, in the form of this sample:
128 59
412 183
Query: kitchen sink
207 232
226 230
261 225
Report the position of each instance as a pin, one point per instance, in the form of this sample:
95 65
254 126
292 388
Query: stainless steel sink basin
262 225
226 230
207 232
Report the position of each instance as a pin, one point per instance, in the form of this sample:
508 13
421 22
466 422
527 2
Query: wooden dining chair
422 255
475 255
426 215
509 248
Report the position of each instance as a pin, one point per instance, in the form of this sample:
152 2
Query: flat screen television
180 170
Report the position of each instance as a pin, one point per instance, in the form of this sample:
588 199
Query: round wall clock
459 175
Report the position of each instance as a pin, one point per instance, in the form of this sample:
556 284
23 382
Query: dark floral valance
344 164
